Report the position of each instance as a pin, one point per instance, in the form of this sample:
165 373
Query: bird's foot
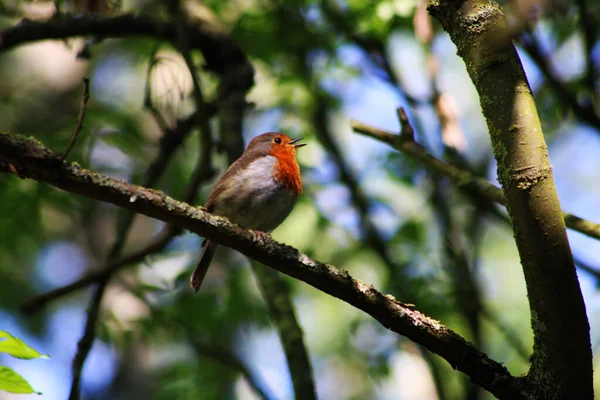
262 235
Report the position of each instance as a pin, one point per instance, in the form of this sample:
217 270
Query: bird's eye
277 140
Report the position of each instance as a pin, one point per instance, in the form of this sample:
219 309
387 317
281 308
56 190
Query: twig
373 47
407 133
226 357
584 113
79 125
463 179
588 26
36 304
36 162
511 337
213 350
283 315
584 266
87 340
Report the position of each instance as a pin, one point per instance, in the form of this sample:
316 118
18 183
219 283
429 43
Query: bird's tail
200 272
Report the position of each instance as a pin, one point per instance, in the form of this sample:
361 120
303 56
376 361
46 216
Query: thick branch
562 360
31 160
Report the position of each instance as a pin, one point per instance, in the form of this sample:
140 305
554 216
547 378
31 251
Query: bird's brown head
282 147
276 144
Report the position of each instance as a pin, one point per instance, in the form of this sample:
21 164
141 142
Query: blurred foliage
310 56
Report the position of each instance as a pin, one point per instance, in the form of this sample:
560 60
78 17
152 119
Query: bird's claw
261 235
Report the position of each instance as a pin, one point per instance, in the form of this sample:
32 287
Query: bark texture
562 357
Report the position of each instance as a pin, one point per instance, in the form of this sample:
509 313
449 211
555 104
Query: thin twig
211 350
463 179
39 302
512 338
588 26
584 266
584 113
84 100
87 340
407 132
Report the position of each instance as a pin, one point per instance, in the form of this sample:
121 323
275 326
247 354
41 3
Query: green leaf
12 382
17 348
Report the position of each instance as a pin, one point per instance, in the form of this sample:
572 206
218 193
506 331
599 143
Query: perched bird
258 191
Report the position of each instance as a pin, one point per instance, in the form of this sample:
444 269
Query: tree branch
283 315
84 100
218 49
161 241
588 26
31 160
87 339
461 178
477 188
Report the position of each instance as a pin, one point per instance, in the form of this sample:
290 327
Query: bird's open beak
294 141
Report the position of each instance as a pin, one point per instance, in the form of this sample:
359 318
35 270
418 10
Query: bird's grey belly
255 202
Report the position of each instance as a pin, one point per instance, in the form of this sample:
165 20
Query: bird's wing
238 165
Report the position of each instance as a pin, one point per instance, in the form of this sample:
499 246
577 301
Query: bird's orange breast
287 171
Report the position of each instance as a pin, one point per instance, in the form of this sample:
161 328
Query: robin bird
258 191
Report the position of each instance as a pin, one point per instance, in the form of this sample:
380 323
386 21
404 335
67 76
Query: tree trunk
562 357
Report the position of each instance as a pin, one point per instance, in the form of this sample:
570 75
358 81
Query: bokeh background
366 208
